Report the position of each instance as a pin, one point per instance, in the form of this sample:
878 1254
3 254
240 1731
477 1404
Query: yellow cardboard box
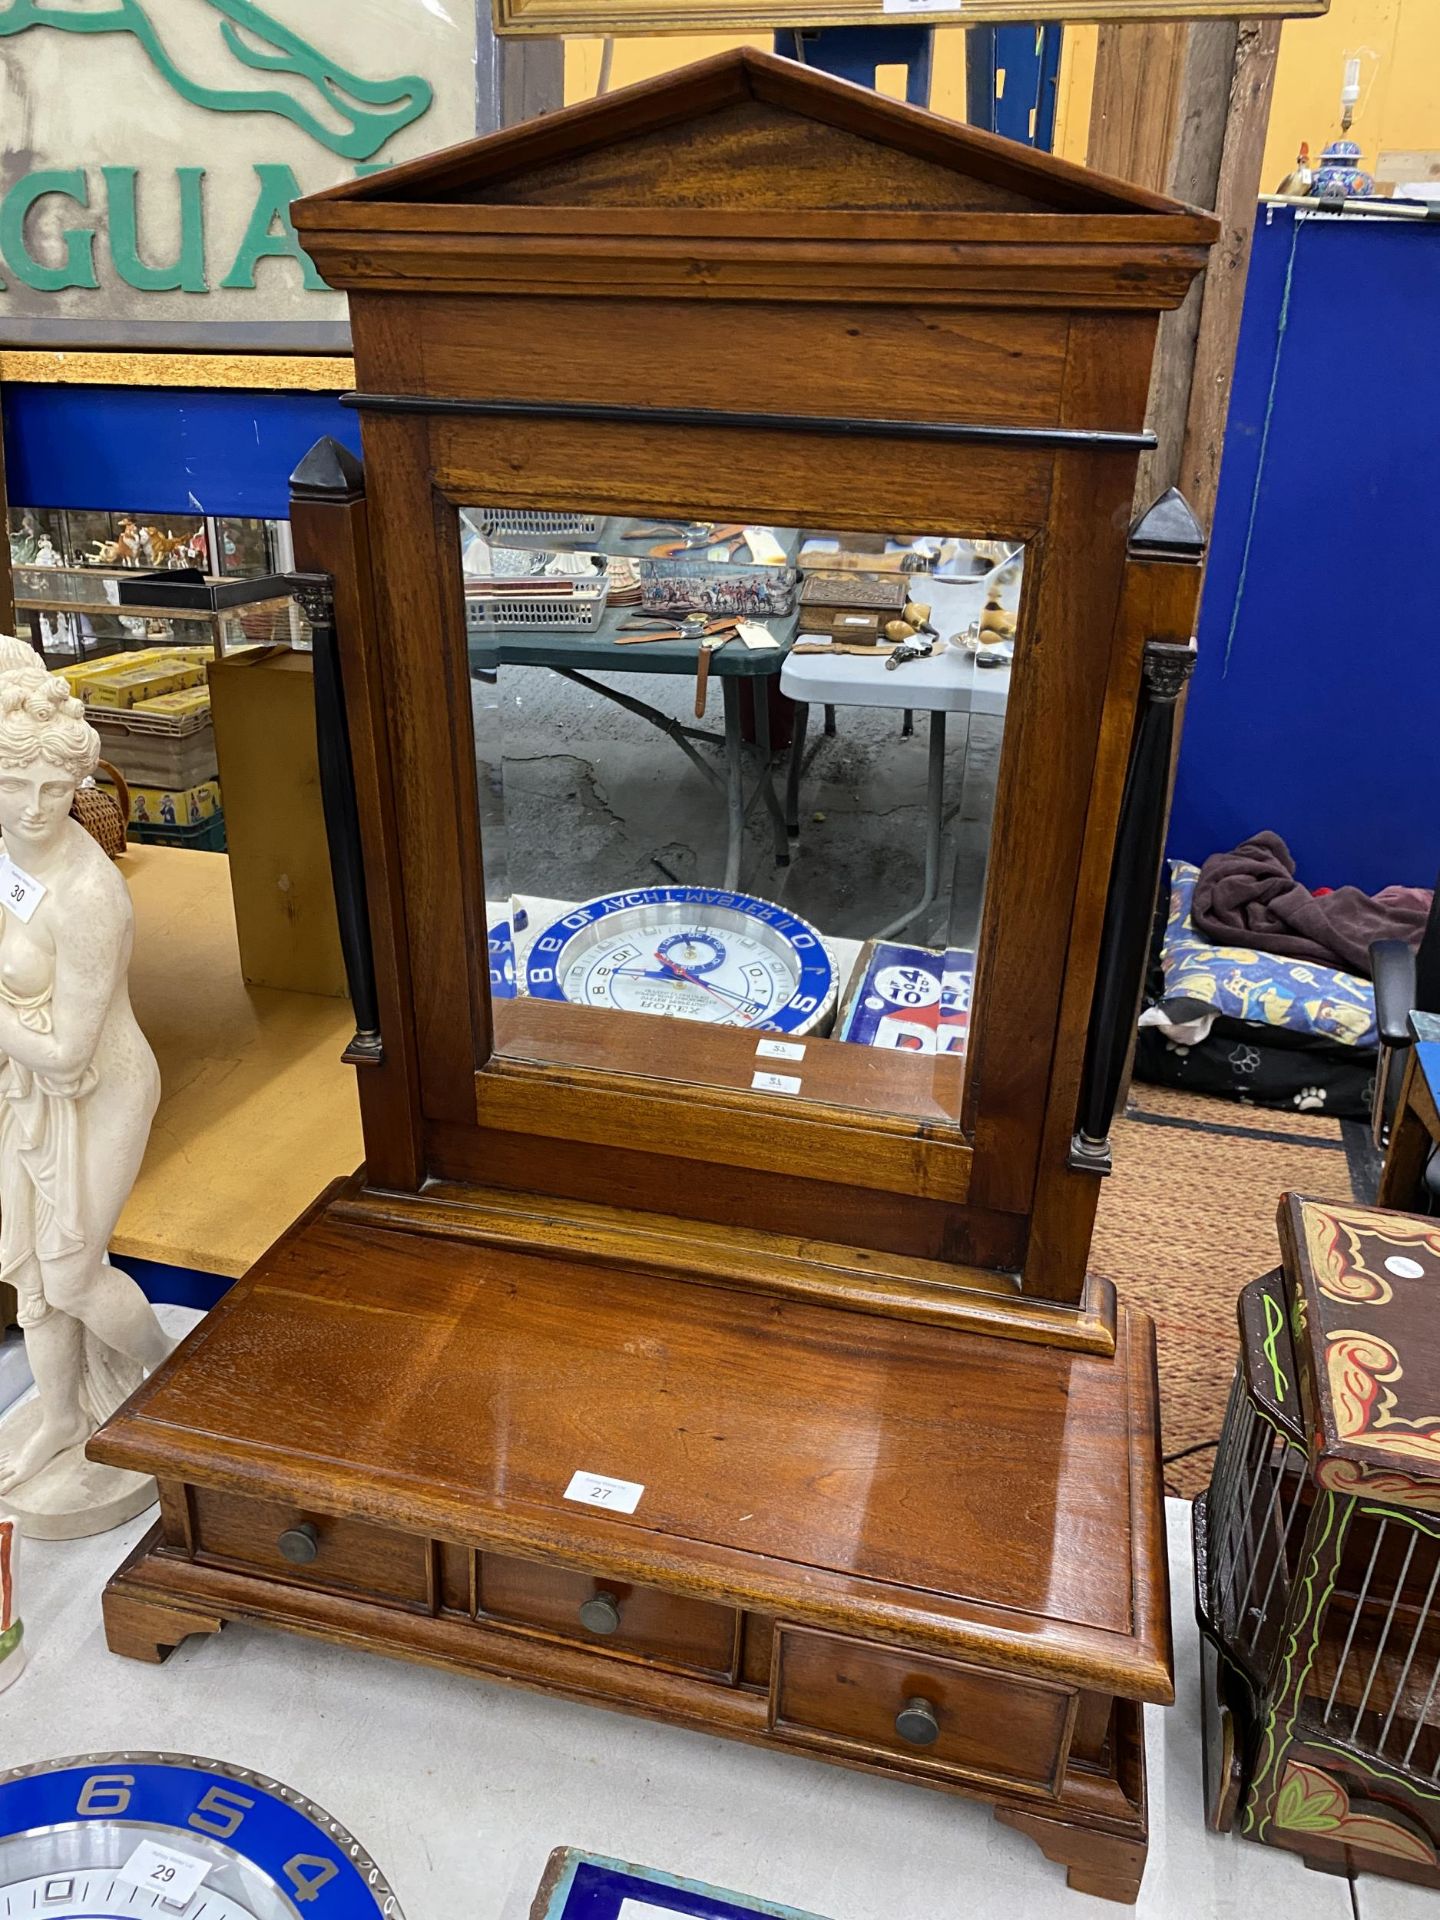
178 704
87 672
165 675
157 806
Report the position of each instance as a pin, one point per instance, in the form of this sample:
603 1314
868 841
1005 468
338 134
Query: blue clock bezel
815 983
164 1790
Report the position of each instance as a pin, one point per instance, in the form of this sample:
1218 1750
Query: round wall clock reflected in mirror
692 953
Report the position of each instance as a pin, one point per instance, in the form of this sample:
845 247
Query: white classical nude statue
78 1090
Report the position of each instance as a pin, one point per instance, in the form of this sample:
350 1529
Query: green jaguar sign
248 110
370 110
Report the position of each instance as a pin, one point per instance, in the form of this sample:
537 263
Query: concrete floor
594 799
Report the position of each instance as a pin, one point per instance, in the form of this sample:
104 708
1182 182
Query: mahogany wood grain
872 1456
1109 274
757 1651
803 1268
1048 774
804 225
747 153
167 1599
1090 371
666 1628
728 1126
1107 1866
458 1579
420 610
1106 1855
334 538
148 1626
767 1198
244 1532
177 1519
675 100
1159 602
866 367
772 475
1091 1735
1013 999
868 364
993 1729
860 1085
777 1443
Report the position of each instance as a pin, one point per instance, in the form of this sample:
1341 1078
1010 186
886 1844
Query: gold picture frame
617 17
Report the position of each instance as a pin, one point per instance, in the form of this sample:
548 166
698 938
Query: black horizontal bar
187 590
840 426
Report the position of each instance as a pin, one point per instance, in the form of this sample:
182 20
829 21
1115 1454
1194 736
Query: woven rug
1187 1217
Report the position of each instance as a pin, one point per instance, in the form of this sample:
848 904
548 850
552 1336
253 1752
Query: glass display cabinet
79 615
708 1332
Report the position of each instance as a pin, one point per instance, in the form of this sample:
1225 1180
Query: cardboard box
179 704
165 807
910 999
263 706
87 672
139 684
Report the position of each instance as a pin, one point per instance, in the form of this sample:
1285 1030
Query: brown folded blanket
1251 898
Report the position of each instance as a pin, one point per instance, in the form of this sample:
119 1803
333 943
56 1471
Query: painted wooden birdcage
1317 1551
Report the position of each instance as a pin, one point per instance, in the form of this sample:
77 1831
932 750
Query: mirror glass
739 778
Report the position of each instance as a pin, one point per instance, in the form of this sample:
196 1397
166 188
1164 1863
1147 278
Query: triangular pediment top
747 131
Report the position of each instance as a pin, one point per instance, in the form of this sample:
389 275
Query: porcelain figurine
12 1650
1301 177
78 1090
1340 175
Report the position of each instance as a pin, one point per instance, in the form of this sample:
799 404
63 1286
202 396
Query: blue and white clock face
689 953
154 1836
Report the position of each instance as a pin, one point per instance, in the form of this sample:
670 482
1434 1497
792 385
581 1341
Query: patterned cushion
1263 988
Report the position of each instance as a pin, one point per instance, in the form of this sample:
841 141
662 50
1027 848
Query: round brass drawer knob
917 1723
600 1614
300 1544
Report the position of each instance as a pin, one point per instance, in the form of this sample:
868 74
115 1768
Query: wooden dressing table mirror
721 1368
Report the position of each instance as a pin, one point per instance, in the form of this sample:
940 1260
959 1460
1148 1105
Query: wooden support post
1183 109
516 76
1222 290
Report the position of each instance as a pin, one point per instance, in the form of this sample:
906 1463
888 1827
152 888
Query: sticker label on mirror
779 1050
775 1082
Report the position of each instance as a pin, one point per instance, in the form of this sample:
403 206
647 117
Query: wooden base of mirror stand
791 1267
929 1554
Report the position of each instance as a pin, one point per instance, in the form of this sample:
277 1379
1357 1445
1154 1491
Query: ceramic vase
12 1649
1340 174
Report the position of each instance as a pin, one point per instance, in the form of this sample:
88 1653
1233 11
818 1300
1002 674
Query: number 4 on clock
307 1874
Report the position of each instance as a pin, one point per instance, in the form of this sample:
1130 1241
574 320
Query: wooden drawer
962 1721
693 1635
349 1555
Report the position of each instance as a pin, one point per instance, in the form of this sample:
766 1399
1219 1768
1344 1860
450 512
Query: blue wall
1315 706
163 450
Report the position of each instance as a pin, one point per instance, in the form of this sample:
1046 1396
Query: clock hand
725 993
